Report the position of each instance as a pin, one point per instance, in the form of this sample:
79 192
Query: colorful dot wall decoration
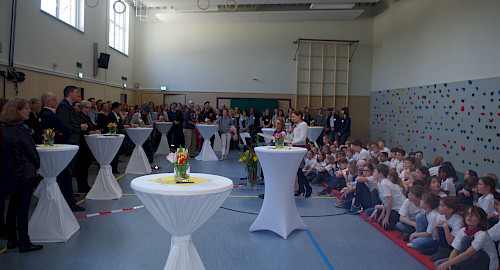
457 120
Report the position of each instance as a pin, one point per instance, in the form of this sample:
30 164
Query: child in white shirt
409 211
473 247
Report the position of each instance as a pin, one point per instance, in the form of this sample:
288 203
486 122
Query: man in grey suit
66 112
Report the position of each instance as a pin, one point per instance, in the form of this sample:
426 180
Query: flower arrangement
311 123
180 159
48 137
250 159
279 140
207 121
162 119
113 128
274 124
140 123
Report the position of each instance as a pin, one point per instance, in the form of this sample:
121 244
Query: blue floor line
325 259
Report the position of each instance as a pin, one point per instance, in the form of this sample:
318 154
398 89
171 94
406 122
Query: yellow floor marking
80 202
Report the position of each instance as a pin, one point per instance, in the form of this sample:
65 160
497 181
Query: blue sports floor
134 240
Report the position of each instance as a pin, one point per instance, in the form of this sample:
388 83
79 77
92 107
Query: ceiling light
332 6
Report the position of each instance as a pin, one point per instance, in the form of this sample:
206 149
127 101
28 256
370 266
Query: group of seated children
455 223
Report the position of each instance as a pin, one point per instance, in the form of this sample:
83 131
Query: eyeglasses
366 170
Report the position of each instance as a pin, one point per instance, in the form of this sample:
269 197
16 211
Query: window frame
123 25
79 16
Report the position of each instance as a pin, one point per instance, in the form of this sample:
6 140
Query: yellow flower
255 159
247 152
245 158
241 160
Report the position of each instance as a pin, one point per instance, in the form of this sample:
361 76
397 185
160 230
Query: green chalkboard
260 104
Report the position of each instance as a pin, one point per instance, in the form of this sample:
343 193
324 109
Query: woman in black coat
345 126
20 165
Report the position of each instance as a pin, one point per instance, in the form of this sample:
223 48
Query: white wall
42 40
225 57
419 42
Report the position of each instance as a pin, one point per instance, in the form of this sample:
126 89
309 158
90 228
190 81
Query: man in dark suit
66 112
175 135
48 117
116 116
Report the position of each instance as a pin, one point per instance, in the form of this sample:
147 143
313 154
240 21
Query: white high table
163 128
313 133
52 220
138 162
104 148
279 213
268 131
206 153
181 210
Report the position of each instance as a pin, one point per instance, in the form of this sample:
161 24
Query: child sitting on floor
392 198
435 187
409 211
448 178
486 187
473 247
423 238
448 223
466 191
324 169
305 173
337 181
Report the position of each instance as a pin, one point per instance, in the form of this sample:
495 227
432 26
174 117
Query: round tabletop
104 146
138 135
164 127
207 130
213 184
53 159
314 132
284 150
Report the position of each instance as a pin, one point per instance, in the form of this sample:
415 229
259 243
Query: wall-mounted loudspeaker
103 61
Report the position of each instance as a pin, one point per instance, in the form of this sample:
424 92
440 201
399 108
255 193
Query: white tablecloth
279 213
207 153
138 162
268 131
163 128
313 134
181 210
104 148
52 220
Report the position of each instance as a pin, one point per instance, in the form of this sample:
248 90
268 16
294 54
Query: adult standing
207 115
93 110
266 121
306 117
66 112
21 162
175 133
34 121
48 117
225 122
253 121
189 128
116 116
345 126
333 124
319 121
102 117
84 155
298 131
3 230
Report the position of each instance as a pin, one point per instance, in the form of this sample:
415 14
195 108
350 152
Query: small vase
181 172
252 177
49 142
112 131
279 143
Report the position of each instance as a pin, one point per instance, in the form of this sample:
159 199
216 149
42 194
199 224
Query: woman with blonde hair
20 165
